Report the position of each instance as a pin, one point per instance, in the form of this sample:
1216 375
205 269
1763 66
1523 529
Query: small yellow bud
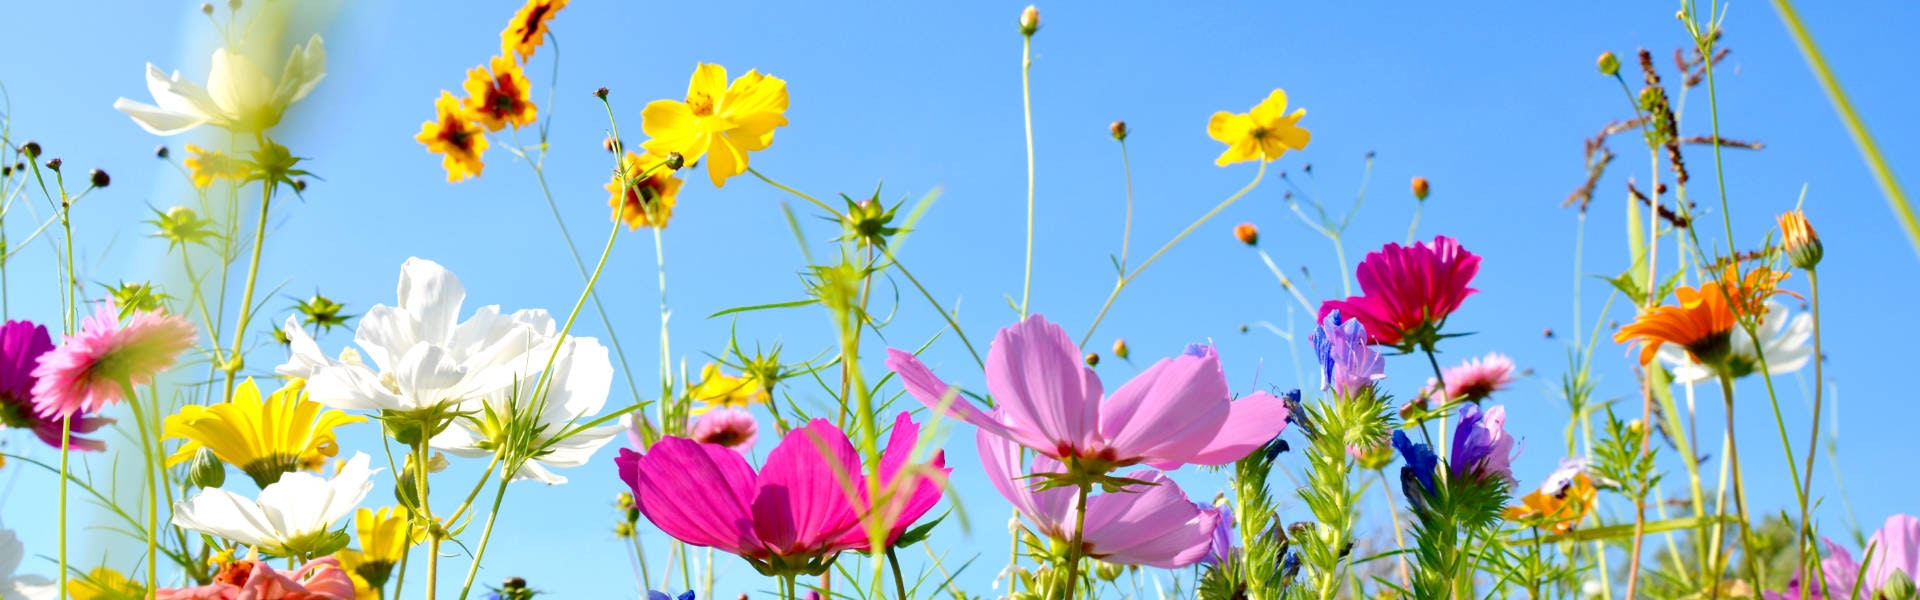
1093 359
1609 64
1120 348
1119 130
1029 20
1420 188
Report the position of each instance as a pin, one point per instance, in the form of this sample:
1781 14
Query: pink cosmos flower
802 508
1177 412
87 372
1895 547
1407 293
1153 525
730 427
319 579
910 489
22 343
1474 380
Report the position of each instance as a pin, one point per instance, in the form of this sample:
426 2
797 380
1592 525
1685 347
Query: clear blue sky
1491 104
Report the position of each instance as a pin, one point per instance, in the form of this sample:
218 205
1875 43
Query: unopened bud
675 161
1108 571
233 5
1119 130
160 152
1897 586
206 8
514 583
1420 188
1120 348
624 500
1547 333
1247 234
1093 359
1609 64
1803 245
98 178
600 93
54 164
299 185
6 170
1636 427
1029 20
623 530
206 470
31 149
611 144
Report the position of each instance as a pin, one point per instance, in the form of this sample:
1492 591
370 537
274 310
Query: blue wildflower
1482 448
1421 461
653 595
1347 361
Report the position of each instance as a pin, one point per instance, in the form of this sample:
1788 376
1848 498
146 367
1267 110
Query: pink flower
1474 380
1153 526
1407 293
910 489
1176 412
730 427
1895 547
89 369
319 579
22 343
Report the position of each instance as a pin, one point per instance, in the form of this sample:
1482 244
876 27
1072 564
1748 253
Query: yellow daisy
643 201
719 121
1266 132
528 28
204 166
453 133
500 97
265 439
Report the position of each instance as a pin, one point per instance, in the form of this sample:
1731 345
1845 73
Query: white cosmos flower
1783 337
419 357
238 97
12 586
580 377
290 514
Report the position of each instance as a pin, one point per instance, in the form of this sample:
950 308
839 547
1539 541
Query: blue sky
1491 105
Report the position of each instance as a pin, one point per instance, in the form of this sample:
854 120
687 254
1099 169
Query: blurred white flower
1783 337
29 587
291 517
238 97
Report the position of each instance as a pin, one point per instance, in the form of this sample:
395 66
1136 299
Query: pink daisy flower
1407 293
22 343
730 427
1474 380
89 369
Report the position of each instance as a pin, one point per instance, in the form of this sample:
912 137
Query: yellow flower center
701 104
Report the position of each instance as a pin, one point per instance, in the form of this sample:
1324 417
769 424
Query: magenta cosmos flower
1407 293
319 579
22 343
803 508
1177 412
89 370
1895 547
1474 380
1152 525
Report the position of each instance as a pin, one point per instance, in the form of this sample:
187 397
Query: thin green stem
1813 437
794 192
1126 232
1285 282
421 457
1074 551
899 582
937 308
1415 224
246 296
486 534
147 442
1026 106
66 450
1399 539
1739 490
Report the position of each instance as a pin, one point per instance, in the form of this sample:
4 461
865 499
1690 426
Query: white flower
12 586
1784 340
580 378
419 356
239 97
291 514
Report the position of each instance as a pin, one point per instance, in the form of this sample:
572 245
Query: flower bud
1029 20
1247 234
54 164
31 149
514 583
1898 586
98 178
623 530
675 161
1107 571
612 144
1093 359
1802 244
299 185
206 470
624 500
160 152
1420 188
1609 64
1120 348
206 8
600 93
233 5
6 170
1119 130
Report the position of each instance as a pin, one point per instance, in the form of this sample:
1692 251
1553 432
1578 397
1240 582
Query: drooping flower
1785 341
909 489
1803 245
204 166
1178 411
89 369
720 390
1153 525
385 536
528 28
1474 380
1562 502
730 427
1702 324
644 190
239 97
499 96
319 579
1347 361
265 439
1407 293
571 392
1482 448
290 518
22 343
453 134
12 583
1895 547
1264 133
1421 462
719 121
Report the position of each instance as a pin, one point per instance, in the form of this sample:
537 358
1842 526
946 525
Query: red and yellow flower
453 134
500 96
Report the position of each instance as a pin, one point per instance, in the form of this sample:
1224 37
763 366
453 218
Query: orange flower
1803 245
1702 324
453 133
643 201
528 28
501 97
1748 294
1561 512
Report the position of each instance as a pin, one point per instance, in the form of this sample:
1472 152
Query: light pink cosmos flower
87 371
1153 525
1474 380
1407 293
730 427
1177 412
319 579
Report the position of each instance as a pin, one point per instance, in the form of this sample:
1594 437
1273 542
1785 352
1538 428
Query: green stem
1126 233
486 534
246 296
1808 554
794 192
66 450
147 442
1415 225
1399 539
899 582
1739 490
1285 282
1446 399
1026 105
420 459
1074 550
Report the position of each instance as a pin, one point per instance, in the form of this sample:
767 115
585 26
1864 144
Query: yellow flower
103 583
204 166
720 390
528 28
718 121
385 535
1560 512
1266 132
502 97
266 439
453 133
643 202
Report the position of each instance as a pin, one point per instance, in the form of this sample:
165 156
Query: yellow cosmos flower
528 28
720 390
453 133
501 97
103 583
385 535
266 439
640 198
719 121
204 166
1266 132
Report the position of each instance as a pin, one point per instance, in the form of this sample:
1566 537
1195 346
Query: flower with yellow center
385 535
643 192
528 28
104 583
720 390
1561 511
453 134
265 439
500 97
719 121
1702 324
1266 132
204 166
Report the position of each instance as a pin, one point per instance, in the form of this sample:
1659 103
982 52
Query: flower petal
1034 372
1253 421
1169 412
803 505
697 493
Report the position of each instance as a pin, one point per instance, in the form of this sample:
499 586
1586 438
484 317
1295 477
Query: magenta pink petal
912 500
1035 374
697 493
1168 413
804 504
1253 422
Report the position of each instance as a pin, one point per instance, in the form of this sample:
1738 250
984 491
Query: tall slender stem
666 356
1074 550
1399 539
899 582
420 459
1739 488
66 450
246 296
1813 439
1026 105
153 487
1126 232
486 534
1446 399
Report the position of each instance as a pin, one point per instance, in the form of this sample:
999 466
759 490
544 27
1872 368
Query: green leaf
1625 530
741 309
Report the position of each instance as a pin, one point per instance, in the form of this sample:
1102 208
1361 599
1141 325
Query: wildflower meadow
575 299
